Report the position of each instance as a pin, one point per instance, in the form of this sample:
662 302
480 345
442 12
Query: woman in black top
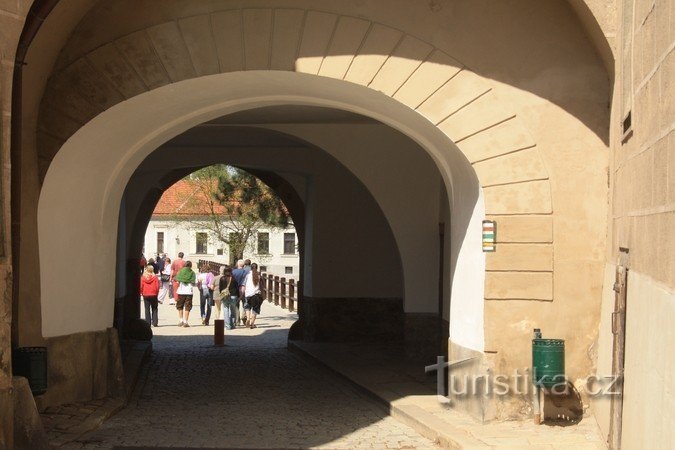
229 294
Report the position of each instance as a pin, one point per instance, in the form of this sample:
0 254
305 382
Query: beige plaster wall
361 148
641 218
41 57
649 399
599 19
643 165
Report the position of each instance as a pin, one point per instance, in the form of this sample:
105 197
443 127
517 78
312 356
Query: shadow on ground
251 393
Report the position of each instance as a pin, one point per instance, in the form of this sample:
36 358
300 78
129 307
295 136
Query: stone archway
458 101
523 170
127 133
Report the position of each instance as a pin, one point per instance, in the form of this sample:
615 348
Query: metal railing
280 291
212 266
275 289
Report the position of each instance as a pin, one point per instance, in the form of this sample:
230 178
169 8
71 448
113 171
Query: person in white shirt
165 283
253 296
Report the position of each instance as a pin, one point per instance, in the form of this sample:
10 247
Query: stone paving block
62 439
66 424
299 404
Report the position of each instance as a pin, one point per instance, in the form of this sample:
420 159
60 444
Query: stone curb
63 433
134 360
59 436
423 422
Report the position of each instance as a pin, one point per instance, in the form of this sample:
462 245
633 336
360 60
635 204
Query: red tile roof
186 198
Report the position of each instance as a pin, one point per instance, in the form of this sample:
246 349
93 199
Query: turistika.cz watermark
519 382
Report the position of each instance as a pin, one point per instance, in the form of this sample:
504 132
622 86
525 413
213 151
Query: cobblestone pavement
65 423
251 393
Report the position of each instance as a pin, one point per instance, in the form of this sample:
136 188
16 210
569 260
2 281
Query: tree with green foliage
234 205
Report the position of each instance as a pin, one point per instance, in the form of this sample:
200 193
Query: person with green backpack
186 279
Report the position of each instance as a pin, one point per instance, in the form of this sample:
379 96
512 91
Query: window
263 243
160 242
219 252
289 243
202 243
263 268
288 270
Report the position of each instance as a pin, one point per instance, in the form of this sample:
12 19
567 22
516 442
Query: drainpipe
36 16
536 398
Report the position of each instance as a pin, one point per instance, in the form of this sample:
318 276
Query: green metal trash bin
548 362
31 362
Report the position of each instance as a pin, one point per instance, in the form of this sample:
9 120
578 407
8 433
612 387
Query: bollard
219 332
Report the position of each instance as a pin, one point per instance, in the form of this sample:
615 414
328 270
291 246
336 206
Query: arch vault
515 126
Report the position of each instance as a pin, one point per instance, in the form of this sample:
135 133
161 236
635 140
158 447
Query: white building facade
275 250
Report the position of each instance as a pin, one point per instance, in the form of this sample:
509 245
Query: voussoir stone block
227 34
108 60
62 96
97 90
458 92
196 32
532 197
315 39
257 32
407 57
475 117
519 285
535 229
286 38
376 48
498 140
172 50
137 48
349 34
524 165
533 257
56 123
431 75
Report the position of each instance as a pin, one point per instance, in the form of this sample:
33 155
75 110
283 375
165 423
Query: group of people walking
234 292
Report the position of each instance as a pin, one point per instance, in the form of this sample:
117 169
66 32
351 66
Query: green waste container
31 362
548 362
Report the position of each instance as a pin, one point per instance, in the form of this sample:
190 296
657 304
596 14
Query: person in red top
176 265
149 291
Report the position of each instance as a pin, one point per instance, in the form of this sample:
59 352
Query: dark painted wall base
351 319
371 320
426 336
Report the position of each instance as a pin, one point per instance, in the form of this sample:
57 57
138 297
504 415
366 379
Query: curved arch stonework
516 85
458 101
